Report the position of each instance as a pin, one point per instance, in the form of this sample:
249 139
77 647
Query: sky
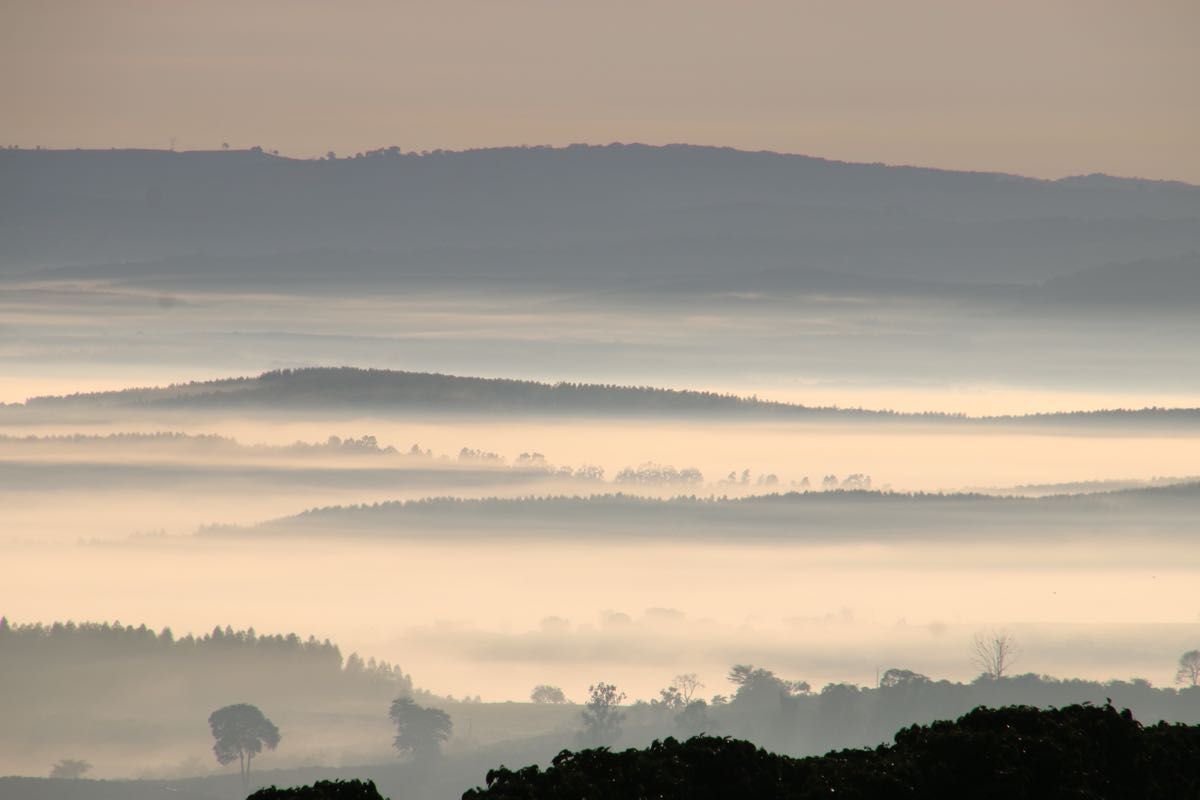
1037 87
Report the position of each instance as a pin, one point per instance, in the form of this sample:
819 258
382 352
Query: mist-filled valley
445 461
569 536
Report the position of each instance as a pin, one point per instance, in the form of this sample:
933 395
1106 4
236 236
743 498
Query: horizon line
398 152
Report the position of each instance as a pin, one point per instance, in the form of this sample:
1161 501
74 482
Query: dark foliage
419 730
1011 753
322 790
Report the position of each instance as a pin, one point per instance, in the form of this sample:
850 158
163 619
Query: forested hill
842 515
615 213
384 389
47 668
333 388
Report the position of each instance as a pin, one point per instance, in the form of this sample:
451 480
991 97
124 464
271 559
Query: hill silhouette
327 388
838 515
615 214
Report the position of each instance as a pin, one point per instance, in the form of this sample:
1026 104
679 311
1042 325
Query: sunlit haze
405 393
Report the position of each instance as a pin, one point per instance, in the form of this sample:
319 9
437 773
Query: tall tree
241 731
994 654
602 716
1189 668
687 684
419 730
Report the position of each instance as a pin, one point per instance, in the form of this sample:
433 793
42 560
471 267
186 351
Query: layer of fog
912 354
494 619
109 489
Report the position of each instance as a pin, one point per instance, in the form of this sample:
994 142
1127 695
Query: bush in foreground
1079 752
322 790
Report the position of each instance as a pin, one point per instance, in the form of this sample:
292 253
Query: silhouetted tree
994 654
1189 668
757 684
419 730
547 694
669 698
241 731
901 677
602 716
687 684
590 473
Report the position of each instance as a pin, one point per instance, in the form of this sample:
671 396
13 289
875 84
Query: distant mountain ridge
317 388
580 214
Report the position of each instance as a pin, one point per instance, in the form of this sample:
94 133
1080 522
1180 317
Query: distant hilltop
809 515
616 214
334 388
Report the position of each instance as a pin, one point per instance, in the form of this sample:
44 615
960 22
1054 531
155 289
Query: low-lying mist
186 517
958 354
497 618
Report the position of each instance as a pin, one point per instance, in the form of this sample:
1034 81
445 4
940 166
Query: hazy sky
1041 87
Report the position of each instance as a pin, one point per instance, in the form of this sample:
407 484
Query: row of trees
72 644
648 473
241 731
766 707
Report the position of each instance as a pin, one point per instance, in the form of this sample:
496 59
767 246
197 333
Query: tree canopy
602 715
322 790
544 693
241 731
419 730
1014 753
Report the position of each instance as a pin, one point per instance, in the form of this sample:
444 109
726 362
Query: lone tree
895 678
241 731
70 768
1189 668
545 693
419 730
602 716
686 685
994 654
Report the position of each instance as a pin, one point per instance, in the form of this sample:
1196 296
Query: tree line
381 388
68 664
789 715
847 512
